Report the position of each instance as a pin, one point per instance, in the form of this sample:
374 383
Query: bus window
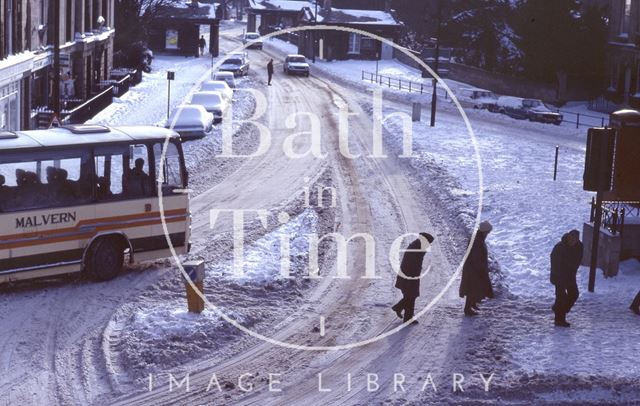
137 182
39 181
170 175
109 174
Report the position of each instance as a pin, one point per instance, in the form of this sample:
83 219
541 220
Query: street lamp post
55 106
313 34
434 96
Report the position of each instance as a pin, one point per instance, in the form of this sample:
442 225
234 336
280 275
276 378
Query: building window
354 44
10 108
626 18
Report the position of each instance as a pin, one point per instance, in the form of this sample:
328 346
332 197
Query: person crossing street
565 260
408 280
270 71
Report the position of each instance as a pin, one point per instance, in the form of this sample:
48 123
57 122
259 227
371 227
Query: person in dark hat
408 280
565 261
475 284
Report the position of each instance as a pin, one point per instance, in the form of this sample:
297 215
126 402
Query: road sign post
171 75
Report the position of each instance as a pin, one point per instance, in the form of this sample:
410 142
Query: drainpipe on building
55 106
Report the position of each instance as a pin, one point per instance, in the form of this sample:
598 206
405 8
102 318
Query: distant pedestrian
476 284
411 267
270 71
635 306
565 261
202 44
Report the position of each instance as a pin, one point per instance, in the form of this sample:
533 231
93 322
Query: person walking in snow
202 43
270 71
565 260
476 284
408 280
635 305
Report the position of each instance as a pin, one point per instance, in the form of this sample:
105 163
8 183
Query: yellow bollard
195 272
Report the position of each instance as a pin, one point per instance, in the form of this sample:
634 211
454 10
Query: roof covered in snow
284 5
188 9
328 16
350 16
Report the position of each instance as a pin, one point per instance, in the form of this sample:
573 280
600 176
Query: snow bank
262 262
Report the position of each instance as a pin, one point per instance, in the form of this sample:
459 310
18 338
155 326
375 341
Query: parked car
243 54
213 102
478 98
252 39
526 109
226 77
236 65
190 121
218 86
296 65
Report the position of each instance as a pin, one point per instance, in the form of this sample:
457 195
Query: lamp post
55 106
434 96
313 34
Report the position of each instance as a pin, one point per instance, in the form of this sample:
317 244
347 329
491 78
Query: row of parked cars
208 105
515 107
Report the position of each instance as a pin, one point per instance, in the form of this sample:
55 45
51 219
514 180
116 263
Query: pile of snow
155 333
174 322
262 262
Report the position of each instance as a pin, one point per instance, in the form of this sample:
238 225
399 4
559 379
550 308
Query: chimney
327 5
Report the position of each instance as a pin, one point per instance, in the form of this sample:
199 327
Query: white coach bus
85 197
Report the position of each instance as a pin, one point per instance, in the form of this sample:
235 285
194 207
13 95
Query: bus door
171 177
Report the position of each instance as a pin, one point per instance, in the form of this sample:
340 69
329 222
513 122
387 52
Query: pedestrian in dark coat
635 305
408 281
476 284
202 43
565 261
270 70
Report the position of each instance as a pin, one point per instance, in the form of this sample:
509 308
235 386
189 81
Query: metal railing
402 84
120 87
614 214
91 107
80 113
583 120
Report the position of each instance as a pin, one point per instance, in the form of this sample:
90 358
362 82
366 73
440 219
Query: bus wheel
105 259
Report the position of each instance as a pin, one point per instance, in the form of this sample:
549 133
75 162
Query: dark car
237 65
526 109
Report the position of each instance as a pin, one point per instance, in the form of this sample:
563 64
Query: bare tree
134 18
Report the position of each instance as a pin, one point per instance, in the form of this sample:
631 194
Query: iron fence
79 113
583 120
120 86
402 84
614 214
